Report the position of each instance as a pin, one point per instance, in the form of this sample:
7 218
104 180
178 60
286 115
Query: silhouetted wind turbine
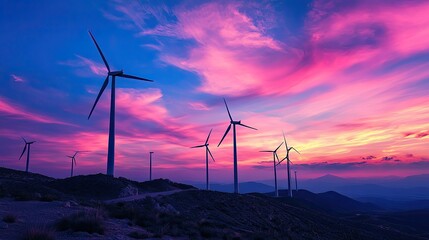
150 166
28 153
275 167
206 145
288 149
113 74
233 123
73 161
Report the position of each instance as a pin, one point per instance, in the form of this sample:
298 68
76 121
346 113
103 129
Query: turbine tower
150 166
28 153
234 123
113 75
206 145
288 149
275 167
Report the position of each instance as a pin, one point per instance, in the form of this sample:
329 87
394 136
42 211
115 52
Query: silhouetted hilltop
160 185
11 174
29 186
103 187
331 202
245 187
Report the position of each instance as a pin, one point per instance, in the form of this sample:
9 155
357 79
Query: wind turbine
150 166
275 167
234 123
288 149
113 75
28 152
206 145
73 161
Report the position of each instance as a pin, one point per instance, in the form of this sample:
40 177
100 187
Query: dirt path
143 195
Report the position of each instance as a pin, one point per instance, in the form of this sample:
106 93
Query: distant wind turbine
288 149
206 145
150 166
73 161
113 74
28 153
275 167
233 123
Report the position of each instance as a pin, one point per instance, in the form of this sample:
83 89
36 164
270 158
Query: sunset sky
347 81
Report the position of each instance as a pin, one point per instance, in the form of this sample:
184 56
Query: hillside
179 211
330 202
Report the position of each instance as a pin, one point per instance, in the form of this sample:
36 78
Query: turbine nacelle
116 73
236 122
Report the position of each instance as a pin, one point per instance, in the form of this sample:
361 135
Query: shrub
90 221
39 233
9 218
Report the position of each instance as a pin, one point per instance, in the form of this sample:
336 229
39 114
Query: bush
39 233
9 218
90 221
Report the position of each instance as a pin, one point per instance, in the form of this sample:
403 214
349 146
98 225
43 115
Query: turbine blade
247 126
284 138
32 142
134 77
291 161
99 50
106 81
23 151
198 146
277 156
295 150
210 154
278 147
226 132
209 136
227 109
69 156
266 151
74 160
280 162
24 139
75 153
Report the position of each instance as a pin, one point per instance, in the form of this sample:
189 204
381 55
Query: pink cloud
15 111
200 106
17 78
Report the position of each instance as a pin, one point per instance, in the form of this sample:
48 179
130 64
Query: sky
347 82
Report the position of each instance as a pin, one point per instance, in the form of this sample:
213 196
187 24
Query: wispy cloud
17 78
85 66
15 111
